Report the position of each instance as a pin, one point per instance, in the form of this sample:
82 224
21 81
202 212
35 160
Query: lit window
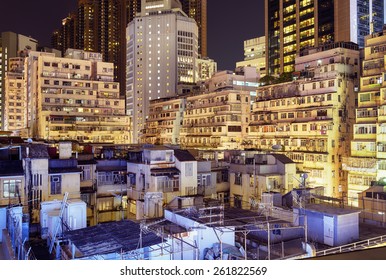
11 188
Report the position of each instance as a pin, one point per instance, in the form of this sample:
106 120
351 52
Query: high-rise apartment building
310 119
292 25
15 98
64 38
162 48
10 46
367 163
216 120
67 98
254 55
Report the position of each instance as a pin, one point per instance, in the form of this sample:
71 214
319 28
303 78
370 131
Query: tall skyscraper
100 26
64 38
162 49
292 25
10 45
197 9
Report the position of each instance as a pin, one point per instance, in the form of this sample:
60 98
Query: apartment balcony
367 119
381 137
370 136
324 90
199 134
134 194
363 148
381 154
358 164
197 105
169 185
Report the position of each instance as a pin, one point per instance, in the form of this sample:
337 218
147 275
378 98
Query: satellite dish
29 140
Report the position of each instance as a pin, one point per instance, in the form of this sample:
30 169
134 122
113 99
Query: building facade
156 176
206 68
164 122
252 174
366 165
72 97
10 46
15 99
216 120
197 9
293 25
310 118
162 49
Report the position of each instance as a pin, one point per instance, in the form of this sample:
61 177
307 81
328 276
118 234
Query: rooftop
110 238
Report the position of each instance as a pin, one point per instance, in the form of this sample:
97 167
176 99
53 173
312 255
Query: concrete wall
348 226
185 180
343 230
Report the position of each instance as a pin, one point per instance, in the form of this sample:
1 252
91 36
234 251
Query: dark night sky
230 22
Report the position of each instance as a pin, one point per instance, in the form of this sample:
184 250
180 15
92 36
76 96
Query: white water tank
65 150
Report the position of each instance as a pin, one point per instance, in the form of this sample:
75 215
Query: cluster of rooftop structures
158 202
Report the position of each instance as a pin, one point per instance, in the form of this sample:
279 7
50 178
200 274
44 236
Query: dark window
56 184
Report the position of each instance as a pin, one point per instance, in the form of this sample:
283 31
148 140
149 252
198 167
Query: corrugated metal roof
111 237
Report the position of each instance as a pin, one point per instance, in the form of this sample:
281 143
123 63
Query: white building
162 48
254 55
156 175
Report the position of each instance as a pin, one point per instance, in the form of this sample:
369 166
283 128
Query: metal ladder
58 224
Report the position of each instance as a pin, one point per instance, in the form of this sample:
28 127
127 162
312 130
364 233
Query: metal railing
360 245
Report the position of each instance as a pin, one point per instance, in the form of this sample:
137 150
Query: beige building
216 120
164 122
309 119
72 97
254 55
367 163
15 99
206 68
